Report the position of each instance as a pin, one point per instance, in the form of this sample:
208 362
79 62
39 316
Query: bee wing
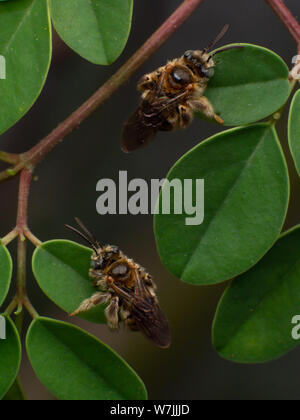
139 130
150 117
148 315
152 321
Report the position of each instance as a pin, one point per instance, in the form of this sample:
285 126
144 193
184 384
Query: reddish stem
24 188
38 152
22 220
286 17
9 158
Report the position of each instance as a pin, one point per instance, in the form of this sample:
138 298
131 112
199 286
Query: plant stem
30 308
21 270
286 17
13 304
9 237
22 221
9 158
24 188
32 238
22 218
31 158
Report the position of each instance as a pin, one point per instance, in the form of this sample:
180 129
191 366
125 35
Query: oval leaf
10 354
15 393
79 367
61 269
249 84
246 198
294 130
97 29
25 50
253 322
5 272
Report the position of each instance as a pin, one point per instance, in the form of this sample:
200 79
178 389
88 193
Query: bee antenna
218 38
86 231
94 244
232 47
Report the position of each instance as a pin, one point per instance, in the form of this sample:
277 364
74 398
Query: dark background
66 186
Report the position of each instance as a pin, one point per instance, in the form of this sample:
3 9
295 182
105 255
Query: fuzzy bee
128 290
170 96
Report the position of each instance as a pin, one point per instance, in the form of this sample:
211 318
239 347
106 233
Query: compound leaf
74 365
5 272
25 53
97 29
249 84
15 393
61 269
246 197
294 130
255 317
10 354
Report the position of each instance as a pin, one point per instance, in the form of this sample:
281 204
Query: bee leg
112 313
171 123
131 324
97 299
202 104
124 313
102 284
185 115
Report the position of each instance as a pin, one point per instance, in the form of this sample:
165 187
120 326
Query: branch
9 237
9 158
24 188
33 157
22 222
286 17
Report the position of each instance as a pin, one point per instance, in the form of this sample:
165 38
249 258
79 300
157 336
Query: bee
170 96
128 290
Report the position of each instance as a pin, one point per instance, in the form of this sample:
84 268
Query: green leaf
249 84
10 355
253 322
61 269
294 130
246 198
5 272
74 365
97 29
25 45
15 393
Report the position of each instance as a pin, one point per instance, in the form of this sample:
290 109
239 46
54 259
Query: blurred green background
66 187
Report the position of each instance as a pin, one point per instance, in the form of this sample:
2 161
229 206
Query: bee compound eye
181 76
97 264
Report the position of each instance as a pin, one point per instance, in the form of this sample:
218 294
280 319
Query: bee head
98 263
200 62
102 259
